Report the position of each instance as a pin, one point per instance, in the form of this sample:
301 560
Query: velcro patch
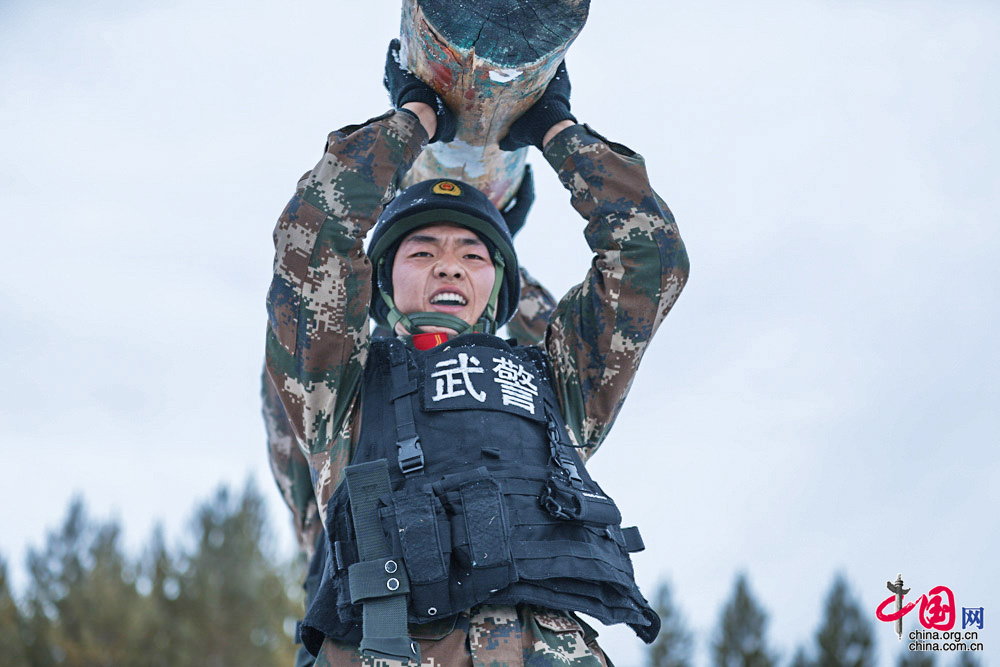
482 378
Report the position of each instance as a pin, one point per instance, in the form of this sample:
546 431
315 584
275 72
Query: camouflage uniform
317 340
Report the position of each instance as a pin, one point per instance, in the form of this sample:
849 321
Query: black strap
560 452
338 555
377 581
378 578
411 456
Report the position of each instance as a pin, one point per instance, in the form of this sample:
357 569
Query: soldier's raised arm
602 327
321 290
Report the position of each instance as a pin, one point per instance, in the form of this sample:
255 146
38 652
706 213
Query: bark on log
489 60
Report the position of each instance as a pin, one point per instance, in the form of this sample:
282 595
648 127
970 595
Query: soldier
446 464
289 465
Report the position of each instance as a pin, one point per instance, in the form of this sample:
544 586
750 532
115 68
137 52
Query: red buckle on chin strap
425 341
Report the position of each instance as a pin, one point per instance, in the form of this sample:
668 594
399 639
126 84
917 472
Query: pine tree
232 602
845 637
82 597
11 625
742 640
224 602
167 635
37 634
674 644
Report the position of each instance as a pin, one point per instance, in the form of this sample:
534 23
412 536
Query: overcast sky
822 399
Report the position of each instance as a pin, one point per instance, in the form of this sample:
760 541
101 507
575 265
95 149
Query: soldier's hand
551 108
404 87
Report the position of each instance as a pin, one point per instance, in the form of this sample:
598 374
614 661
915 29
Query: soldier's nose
446 269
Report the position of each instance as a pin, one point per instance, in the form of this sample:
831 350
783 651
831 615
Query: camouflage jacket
317 339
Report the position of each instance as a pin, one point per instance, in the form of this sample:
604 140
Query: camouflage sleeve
601 328
533 311
290 469
318 301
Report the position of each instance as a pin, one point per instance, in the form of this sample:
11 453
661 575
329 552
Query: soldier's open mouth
448 299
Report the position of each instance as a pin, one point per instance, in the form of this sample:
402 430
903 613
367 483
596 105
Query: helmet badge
447 188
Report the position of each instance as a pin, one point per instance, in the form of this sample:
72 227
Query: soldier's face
445 269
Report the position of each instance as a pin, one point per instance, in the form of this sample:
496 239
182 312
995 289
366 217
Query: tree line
226 599
845 637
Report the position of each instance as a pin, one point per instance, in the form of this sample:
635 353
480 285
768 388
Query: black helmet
443 201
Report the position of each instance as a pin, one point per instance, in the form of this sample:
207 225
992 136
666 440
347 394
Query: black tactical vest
489 503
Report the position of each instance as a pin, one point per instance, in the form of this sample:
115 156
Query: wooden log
489 60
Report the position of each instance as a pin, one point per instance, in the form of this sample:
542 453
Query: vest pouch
489 541
480 532
425 542
563 500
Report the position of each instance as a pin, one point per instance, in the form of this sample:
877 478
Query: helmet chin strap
414 322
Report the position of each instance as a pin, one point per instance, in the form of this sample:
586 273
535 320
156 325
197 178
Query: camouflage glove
517 208
404 86
551 107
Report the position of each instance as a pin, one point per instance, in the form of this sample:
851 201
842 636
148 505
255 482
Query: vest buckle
411 456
